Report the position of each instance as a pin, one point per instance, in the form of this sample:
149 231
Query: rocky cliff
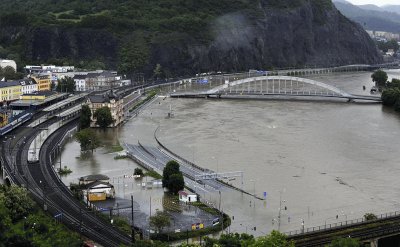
271 33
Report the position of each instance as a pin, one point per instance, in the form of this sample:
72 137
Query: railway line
48 190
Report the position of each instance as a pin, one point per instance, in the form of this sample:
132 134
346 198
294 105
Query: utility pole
59 150
133 226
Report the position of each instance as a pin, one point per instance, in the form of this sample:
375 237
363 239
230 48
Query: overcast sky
376 2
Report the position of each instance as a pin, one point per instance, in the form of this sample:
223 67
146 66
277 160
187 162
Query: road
155 159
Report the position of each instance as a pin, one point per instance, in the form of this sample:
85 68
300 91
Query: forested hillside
184 36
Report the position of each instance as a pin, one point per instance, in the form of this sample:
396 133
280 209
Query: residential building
28 86
112 101
101 80
43 82
10 90
6 62
80 83
48 68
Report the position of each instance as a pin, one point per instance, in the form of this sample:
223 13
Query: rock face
297 33
299 36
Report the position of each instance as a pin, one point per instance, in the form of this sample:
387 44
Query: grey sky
376 2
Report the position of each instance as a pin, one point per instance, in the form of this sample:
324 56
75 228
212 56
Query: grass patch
121 157
115 148
153 174
206 208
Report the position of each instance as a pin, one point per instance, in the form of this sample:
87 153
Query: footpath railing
176 155
342 224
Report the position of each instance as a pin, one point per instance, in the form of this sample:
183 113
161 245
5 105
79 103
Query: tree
345 242
88 139
370 216
395 83
172 167
158 71
176 183
275 238
390 96
379 77
86 114
138 171
159 221
66 84
17 201
103 117
9 73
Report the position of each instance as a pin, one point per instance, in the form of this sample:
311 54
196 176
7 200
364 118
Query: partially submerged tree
159 221
88 139
379 77
86 114
103 117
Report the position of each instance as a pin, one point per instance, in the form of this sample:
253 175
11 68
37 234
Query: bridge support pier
374 242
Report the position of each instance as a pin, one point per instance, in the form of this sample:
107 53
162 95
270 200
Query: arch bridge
283 86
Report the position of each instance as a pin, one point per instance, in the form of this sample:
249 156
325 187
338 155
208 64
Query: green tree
66 84
9 73
395 83
176 183
84 119
158 72
17 201
172 167
5 220
138 171
275 238
134 55
103 117
345 242
87 139
390 96
380 78
159 221
370 216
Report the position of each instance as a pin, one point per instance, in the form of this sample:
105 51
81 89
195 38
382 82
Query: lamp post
280 209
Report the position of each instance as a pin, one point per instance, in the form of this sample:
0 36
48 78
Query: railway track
48 190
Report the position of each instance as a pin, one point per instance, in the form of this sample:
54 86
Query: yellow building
10 90
37 95
43 82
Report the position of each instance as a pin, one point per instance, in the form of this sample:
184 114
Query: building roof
94 177
80 77
41 93
4 84
97 183
27 81
104 98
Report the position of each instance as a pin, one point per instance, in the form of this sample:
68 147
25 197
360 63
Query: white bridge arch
283 79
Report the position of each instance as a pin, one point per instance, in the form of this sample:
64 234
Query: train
15 123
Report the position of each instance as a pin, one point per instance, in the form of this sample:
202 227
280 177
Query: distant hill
392 8
371 17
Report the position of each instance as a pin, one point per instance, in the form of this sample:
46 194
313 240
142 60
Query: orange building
43 82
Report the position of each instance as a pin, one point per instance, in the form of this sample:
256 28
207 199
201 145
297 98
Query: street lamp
280 208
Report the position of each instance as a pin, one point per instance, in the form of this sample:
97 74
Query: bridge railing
341 224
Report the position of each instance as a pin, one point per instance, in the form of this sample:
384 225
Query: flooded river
324 162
